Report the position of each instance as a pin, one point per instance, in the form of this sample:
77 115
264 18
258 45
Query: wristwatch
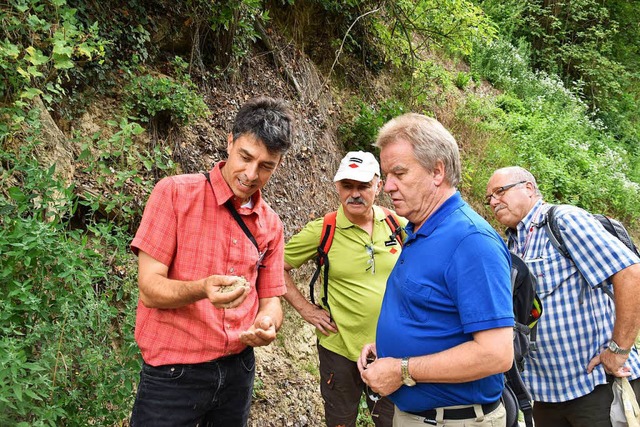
406 376
615 348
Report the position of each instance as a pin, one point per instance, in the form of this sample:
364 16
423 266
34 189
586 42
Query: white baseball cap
359 166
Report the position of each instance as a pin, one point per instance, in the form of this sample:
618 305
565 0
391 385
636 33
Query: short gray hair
519 174
431 142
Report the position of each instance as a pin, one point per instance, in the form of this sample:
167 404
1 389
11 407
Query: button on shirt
186 227
570 333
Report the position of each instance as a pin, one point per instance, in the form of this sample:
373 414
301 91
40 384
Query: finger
322 330
332 327
267 335
247 338
225 302
593 363
266 323
226 297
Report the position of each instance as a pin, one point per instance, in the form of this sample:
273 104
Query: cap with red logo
359 166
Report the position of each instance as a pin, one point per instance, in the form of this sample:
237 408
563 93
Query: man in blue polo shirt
445 329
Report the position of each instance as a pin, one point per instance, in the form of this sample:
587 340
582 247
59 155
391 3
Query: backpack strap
616 228
557 241
394 226
554 233
515 383
326 239
322 258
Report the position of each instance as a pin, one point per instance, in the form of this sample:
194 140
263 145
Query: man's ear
379 185
229 142
438 173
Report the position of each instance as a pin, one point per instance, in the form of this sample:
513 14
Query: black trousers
591 410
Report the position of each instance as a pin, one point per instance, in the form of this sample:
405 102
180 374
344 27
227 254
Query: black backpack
613 226
527 309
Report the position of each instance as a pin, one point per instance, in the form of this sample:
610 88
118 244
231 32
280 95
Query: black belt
458 414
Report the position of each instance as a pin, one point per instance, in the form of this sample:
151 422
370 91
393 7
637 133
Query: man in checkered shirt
197 338
582 342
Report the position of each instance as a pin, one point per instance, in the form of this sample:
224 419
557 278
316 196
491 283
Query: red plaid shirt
187 227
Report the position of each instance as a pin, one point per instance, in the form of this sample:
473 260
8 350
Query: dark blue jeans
216 393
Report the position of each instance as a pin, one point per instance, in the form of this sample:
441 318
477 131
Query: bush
66 318
575 158
164 100
363 129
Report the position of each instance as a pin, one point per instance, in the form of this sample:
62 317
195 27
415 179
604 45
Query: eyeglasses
371 261
499 192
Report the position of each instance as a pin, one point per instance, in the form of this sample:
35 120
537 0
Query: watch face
410 382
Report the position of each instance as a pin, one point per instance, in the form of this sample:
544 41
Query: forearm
293 295
626 286
158 291
491 352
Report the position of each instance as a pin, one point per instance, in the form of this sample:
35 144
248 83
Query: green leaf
60 47
17 392
30 93
10 50
35 56
16 194
85 50
62 62
34 71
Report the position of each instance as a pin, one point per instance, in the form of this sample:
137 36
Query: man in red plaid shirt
199 234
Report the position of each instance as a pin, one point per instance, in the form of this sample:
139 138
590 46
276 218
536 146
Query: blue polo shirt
451 280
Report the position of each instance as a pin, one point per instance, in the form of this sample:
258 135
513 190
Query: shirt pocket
415 301
551 270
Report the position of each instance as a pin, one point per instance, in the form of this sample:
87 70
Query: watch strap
616 349
407 379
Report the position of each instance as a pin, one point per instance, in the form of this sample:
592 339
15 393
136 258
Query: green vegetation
66 317
563 102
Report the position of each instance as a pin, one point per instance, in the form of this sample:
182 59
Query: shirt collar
534 214
223 192
526 222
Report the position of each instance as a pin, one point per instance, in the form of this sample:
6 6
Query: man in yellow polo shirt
362 255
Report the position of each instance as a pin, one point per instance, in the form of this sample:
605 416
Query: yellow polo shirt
355 289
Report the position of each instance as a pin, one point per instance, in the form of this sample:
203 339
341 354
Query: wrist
614 348
407 379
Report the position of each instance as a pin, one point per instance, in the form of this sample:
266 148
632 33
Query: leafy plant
361 132
121 165
165 101
66 352
41 41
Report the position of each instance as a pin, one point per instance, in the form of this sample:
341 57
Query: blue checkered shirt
570 333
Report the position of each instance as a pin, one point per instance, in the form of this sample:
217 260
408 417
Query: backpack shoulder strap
516 384
322 258
554 233
557 240
394 225
328 231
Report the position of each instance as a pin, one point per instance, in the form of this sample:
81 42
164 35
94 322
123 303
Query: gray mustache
356 200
